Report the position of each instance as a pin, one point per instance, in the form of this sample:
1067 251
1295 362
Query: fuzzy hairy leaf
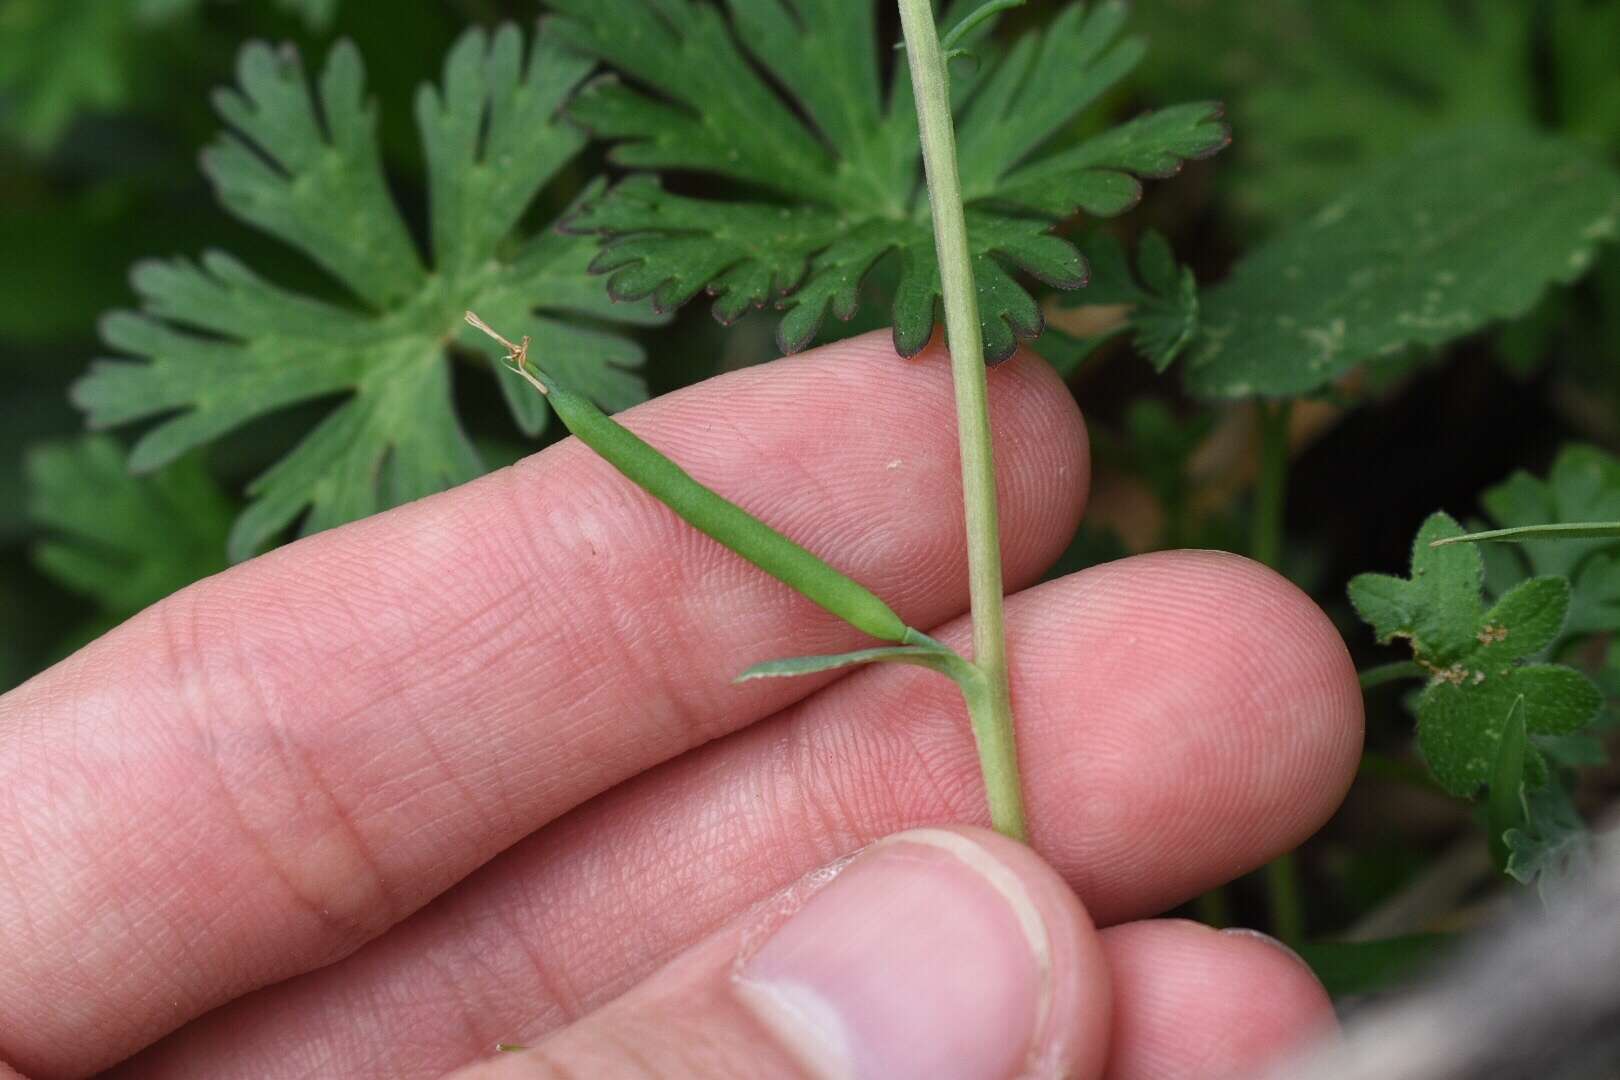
222 345
834 168
124 541
1437 609
1463 230
1476 656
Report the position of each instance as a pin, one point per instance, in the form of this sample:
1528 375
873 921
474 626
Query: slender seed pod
707 512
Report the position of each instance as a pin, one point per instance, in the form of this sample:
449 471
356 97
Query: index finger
265 771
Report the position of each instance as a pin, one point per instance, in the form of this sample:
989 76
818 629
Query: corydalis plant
829 173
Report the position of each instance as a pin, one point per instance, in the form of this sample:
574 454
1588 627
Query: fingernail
1256 935
924 957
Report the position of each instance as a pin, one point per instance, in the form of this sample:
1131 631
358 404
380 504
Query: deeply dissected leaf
1164 309
223 345
832 170
1475 656
1465 229
124 541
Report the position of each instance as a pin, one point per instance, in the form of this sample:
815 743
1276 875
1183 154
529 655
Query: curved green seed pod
707 512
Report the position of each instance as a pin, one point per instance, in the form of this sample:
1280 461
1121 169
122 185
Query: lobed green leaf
124 541
1438 608
1465 229
1460 723
220 345
835 162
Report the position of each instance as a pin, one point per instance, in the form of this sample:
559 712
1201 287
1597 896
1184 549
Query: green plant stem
989 706
1214 908
1283 891
1393 672
1271 484
1286 899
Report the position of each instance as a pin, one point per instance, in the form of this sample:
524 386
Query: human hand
474 770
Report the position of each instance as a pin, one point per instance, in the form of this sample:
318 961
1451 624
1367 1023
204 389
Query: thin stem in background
1397 771
1283 890
991 707
1213 908
1392 672
1271 484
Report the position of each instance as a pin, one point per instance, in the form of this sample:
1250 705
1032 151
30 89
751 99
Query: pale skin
222 826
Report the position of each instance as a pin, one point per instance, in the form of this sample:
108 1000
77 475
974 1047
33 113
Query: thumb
937 953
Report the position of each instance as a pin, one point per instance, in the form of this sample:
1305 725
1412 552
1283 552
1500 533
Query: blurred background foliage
105 107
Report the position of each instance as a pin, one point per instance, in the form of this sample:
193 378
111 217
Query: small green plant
1503 709
1475 657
